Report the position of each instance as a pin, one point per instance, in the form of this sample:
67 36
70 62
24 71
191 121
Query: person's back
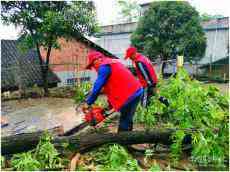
121 83
145 73
143 62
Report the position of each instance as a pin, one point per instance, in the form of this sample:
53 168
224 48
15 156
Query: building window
72 81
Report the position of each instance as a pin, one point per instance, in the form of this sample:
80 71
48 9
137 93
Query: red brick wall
72 56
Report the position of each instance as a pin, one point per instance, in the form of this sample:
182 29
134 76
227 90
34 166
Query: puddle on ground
40 117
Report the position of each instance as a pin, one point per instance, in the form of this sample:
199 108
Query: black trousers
148 93
127 113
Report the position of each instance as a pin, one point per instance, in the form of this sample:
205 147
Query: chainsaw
92 117
95 115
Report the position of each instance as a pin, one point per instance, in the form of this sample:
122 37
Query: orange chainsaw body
95 116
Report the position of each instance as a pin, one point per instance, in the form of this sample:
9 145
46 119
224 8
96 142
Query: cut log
84 142
25 141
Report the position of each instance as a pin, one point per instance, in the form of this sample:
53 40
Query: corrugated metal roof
220 23
91 44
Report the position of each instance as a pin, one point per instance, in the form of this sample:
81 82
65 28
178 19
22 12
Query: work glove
85 107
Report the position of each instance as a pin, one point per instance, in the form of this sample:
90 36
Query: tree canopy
43 22
168 26
129 10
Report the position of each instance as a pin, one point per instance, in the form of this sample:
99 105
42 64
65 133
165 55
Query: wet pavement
39 114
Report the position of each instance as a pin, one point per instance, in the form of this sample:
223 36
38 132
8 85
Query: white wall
217 45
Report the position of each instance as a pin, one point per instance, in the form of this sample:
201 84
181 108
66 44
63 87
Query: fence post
224 77
18 79
210 67
196 69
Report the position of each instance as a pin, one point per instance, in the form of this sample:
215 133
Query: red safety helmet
92 56
130 51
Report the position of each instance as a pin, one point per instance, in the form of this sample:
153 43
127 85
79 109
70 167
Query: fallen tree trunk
84 142
25 141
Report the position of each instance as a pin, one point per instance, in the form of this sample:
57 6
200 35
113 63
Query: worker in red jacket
119 85
145 73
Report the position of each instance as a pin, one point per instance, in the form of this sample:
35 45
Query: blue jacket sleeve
103 75
145 73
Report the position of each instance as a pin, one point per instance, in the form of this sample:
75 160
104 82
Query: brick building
69 61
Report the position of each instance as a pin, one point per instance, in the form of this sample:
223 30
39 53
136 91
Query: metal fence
22 76
208 72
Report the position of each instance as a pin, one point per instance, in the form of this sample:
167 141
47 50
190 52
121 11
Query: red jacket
148 64
121 84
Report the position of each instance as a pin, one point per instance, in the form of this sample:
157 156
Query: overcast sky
107 10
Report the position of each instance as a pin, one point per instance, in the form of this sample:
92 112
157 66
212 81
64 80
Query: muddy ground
39 114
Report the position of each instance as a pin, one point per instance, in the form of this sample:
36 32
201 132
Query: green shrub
114 157
195 110
155 167
25 162
44 157
46 154
2 162
81 91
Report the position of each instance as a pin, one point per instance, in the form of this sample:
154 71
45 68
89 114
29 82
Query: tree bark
84 142
163 68
44 68
25 141
123 138
46 91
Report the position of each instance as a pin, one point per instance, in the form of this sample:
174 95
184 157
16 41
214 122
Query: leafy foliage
196 110
167 27
45 156
44 22
113 157
81 91
2 162
155 167
25 162
145 115
129 10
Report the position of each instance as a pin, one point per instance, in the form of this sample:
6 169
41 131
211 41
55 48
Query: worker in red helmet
119 85
145 73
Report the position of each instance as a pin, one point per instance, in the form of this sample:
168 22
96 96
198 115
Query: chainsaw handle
86 110
80 104
109 112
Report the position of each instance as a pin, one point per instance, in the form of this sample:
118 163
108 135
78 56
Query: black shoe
164 101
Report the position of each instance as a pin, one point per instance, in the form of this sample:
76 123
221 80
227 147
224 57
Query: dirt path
224 88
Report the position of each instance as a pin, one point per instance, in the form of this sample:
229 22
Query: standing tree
43 22
129 10
168 26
